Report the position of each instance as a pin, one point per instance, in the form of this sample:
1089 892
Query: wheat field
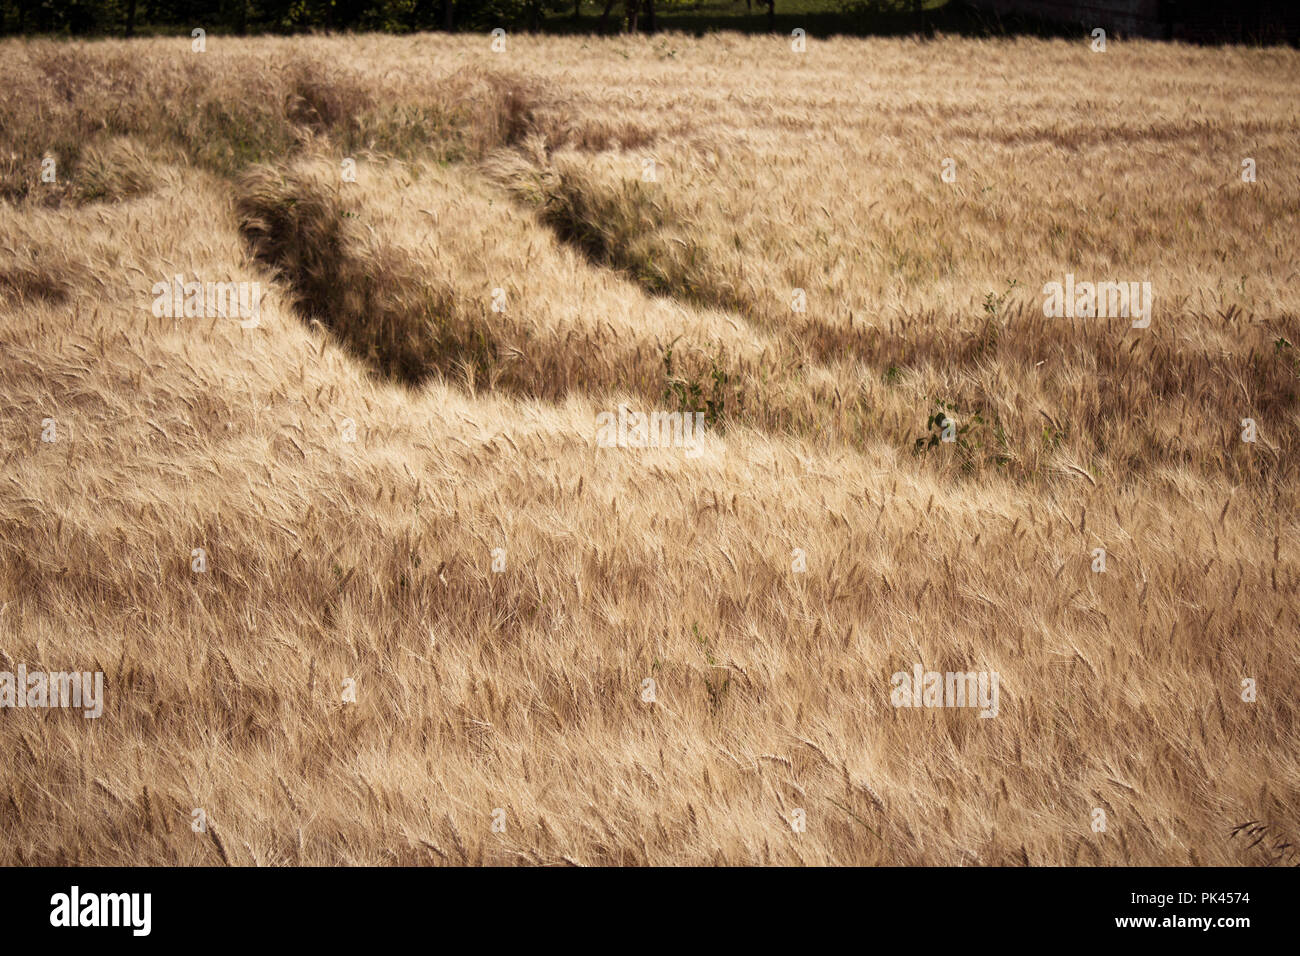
366 587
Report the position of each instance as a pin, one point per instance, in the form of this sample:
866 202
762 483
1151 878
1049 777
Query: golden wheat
500 273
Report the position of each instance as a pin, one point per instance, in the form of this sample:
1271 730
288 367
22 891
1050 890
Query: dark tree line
134 17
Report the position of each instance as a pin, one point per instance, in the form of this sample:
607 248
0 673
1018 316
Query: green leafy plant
716 689
689 393
976 439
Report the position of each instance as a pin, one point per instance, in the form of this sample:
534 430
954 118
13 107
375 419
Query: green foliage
938 421
875 7
987 340
87 17
993 302
688 392
977 440
716 688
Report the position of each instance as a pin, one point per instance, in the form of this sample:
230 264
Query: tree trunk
630 9
130 19
577 9
447 19
649 16
604 17
771 16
